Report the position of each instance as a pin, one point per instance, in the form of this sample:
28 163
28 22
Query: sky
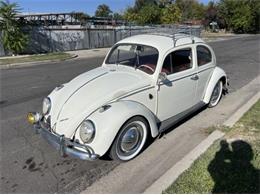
87 6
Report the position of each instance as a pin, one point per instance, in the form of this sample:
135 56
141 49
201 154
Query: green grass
33 58
231 165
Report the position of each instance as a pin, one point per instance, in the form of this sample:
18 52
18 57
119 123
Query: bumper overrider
66 146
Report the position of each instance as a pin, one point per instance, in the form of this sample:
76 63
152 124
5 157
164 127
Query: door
177 93
205 66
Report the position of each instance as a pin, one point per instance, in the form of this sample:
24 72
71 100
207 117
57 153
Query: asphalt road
29 165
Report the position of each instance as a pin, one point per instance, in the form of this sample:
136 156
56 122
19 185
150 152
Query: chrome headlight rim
87 131
46 106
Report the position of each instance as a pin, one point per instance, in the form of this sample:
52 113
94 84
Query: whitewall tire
216 94
130 140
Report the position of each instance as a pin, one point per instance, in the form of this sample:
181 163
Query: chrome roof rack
179 36
176 36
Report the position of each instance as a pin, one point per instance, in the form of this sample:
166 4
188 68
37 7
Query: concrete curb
241 111
36 63
173 173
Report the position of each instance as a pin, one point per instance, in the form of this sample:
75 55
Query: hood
90 90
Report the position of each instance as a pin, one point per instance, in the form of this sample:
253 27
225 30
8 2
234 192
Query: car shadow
232 170
150 139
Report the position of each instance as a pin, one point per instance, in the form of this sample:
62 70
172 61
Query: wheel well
224 80
149 126
225 84
149 134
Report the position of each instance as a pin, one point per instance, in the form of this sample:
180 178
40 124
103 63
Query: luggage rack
176 36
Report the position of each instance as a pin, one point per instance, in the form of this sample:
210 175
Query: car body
146 84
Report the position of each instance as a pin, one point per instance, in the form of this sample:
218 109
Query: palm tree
13 39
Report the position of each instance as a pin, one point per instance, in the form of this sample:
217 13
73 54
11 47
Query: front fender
109 122
217 74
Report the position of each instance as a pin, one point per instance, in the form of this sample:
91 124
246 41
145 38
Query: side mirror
162 77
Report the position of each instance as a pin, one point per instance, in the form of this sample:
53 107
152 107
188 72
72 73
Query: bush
14 40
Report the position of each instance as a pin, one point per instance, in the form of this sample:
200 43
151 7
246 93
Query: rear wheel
130 140
216 94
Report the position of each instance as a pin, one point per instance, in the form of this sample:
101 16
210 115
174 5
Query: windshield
137 56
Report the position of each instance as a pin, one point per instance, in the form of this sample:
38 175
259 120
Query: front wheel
216 94
130 140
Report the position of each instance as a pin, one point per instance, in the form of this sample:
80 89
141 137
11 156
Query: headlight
46 105
87 131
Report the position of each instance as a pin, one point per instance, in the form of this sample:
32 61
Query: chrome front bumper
65 145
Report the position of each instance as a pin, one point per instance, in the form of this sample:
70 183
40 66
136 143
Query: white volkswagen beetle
146 84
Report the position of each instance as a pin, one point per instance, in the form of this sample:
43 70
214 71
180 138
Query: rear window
203 55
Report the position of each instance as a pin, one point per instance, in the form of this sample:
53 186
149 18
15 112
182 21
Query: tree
82 17
139 4
149 14
191 9
170 14
211 13
117 16
164 3
14 40
186 7
242 19
198 11
240 15
103 11
130 15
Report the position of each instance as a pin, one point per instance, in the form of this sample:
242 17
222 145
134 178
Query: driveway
29 165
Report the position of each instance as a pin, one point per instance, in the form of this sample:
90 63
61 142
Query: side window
177 61
203 55
167 64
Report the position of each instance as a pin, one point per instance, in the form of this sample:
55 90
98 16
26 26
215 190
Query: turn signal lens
30 118
33 118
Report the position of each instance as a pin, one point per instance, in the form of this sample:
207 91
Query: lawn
41 57
230 165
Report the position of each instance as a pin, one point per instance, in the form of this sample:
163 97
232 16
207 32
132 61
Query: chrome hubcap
130 139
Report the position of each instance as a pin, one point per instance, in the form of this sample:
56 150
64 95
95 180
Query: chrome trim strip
176 79
134 92
191 74
211 67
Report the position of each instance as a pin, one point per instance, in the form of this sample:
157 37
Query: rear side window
177 61
203 55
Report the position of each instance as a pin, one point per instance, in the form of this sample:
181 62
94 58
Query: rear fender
217 74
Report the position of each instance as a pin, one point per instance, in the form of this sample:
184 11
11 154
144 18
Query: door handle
194 77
